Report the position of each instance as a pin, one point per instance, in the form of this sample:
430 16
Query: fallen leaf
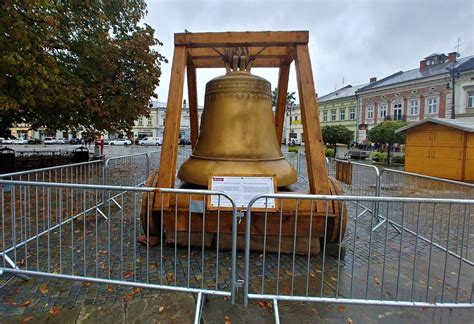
227 320
349 320
161 309
25 303
43 289
265 304
128 274
110 288
54 311
341 308
86 284
377 281
333 279
25 320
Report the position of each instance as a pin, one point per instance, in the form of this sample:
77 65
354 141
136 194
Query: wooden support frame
269 49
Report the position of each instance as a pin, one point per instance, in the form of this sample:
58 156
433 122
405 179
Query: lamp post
289 109
451 78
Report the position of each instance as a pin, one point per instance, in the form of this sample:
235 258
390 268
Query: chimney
452 57
422 65
373 79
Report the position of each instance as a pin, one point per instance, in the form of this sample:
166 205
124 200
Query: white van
150 141
50 140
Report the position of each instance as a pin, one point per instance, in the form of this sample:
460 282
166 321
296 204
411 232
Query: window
432 105
397 110
414 107
470 99
342 114
325 116
149 121
333 115
352 114
383 110
140 122
370 112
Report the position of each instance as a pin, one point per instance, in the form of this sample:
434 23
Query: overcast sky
349 40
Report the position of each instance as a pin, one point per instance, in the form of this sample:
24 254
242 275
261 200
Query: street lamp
289 109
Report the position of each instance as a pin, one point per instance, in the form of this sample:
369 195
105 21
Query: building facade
409 96
464 91
154 124
340 107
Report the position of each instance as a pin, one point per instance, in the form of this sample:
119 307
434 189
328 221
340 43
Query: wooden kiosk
268 49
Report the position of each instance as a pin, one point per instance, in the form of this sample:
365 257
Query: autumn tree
87 65
336 134
385 133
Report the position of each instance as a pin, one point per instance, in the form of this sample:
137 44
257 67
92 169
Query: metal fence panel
385 267
56 230
85 172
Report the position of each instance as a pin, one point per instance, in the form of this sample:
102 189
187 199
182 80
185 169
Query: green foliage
335 134
384 133
71 64
379 157
330 153
399 159
292 149
290 97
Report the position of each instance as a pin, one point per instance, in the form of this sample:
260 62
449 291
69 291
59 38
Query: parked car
21 141
34 141
120 141
75 141
8 140
150 141
50 140
61 141
184 141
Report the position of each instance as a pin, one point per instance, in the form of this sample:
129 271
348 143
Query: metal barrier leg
14 266
276 313
199 304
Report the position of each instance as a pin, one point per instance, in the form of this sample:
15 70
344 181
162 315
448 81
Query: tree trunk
389 147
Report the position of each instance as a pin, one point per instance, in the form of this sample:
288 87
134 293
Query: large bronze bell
237 134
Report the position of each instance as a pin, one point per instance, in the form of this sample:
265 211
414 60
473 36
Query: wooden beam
193 104
281 100
219 63
314 146
169 150
215 52
249 39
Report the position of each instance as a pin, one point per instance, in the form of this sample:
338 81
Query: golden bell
237 135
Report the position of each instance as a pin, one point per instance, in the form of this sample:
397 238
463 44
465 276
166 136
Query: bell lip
284 172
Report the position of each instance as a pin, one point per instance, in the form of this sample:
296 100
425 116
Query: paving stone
112 313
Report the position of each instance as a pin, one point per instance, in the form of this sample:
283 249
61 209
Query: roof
466 66
454 123
346 91
410 75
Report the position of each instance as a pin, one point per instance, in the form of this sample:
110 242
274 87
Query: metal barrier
154 160
128 170
56 231
395 183
372 268
85 172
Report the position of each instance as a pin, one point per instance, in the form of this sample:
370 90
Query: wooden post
169 150
314 146
281 100
193 104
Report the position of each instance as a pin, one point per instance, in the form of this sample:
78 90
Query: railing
372 268
57 231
